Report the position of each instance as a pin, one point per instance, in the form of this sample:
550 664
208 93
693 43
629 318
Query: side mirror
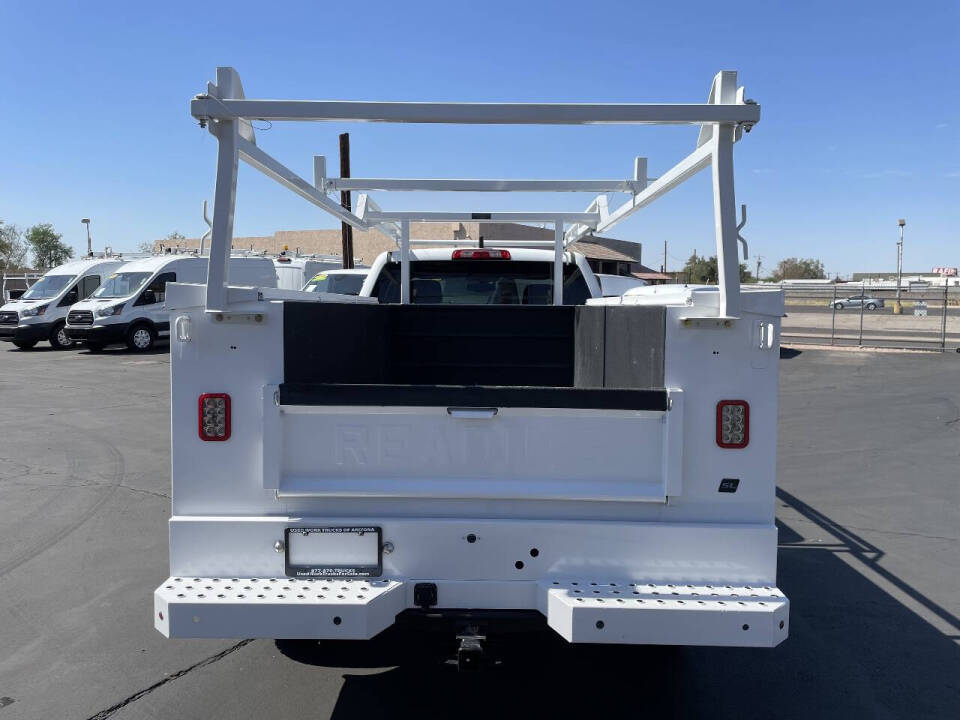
148 297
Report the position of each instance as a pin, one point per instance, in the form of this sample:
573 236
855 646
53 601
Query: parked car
338 281
854 301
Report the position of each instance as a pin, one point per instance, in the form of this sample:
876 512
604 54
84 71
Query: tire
871 306
94 347
25 344
141 338
58 337
838 306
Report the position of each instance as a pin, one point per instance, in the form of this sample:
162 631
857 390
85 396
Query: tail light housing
733 423
213 417
480 254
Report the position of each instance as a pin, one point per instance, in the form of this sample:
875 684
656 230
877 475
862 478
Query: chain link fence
858 315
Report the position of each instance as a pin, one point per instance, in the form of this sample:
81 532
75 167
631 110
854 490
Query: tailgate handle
472 412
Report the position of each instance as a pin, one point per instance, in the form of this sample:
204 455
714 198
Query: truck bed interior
600 357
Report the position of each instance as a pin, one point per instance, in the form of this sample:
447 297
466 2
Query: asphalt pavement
869 514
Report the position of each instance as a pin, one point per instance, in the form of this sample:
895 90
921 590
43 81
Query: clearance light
733 423
480 254
214 416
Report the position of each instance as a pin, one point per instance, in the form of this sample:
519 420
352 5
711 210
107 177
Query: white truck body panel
604 496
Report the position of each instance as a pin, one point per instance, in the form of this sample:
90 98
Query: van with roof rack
130 306
40 313
294 271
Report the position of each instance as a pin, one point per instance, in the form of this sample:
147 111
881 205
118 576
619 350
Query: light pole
86 221
897 307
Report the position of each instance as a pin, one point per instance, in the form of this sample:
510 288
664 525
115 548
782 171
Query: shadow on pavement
854 651
788 353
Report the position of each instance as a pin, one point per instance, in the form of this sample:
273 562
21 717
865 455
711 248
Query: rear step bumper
580 611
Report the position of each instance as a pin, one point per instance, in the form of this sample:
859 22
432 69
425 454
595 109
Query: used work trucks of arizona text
458 442
40 314
130 307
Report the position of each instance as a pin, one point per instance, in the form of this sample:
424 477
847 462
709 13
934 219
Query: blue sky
860 113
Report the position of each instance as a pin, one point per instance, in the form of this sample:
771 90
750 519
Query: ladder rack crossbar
228 114
210 108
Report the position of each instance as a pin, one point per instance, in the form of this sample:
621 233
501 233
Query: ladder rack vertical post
725 220
558 262
224 202
405 262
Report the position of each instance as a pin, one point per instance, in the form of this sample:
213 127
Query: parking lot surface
869 515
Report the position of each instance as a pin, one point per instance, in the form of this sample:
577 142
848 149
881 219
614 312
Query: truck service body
130 307
40 313
466 447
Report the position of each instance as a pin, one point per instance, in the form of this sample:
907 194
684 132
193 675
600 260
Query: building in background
938 276
605 255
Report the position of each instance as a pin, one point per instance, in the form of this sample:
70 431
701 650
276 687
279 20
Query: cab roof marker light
213 417
480 254
733 424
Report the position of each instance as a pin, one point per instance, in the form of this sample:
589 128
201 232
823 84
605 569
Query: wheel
871 306
141 338
24 344
94 347
58 337
838 306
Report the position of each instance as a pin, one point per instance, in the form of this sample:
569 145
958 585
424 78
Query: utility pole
897 307
664 270
759 263
86 221
346 231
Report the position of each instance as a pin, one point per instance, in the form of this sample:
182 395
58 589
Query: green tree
798 269
48 251
13 250
703 270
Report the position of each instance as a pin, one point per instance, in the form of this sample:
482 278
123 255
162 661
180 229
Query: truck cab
130 307
40 313
481 276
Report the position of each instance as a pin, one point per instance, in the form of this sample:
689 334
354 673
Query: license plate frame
324 570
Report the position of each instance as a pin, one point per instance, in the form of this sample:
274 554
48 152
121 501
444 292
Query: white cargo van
293 271
40 313
130 305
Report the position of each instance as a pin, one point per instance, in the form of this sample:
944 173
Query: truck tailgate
471 451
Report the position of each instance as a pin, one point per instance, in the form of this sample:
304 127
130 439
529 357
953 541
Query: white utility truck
344 463
40 313
130 307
